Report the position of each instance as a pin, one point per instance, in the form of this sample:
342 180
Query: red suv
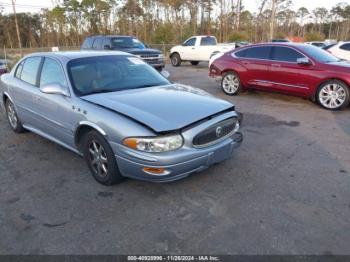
296 69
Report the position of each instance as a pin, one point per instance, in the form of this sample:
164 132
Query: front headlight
154 144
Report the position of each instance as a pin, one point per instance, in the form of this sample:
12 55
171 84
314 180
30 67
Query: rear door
286 75
24 90
206 47
256 62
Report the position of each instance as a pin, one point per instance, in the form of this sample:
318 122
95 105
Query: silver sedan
120 114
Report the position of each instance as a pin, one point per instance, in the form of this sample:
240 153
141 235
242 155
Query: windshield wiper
100 91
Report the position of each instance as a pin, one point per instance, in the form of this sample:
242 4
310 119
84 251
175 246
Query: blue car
120 114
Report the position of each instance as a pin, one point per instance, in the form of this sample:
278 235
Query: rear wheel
12 117
101 160
333 95
194 63
231 84
175 59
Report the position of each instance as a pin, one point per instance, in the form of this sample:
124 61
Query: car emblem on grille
218 131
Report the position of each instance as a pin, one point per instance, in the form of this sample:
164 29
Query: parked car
241 44
328 46
296 69
340 50
124 117
3 66
317 44
197 49
127 44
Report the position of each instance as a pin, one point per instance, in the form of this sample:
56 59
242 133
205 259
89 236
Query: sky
251 5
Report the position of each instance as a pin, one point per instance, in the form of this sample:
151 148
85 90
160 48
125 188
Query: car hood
137 51
162 108
344 64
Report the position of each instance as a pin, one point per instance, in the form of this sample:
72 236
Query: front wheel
231 84
12 117
333 95
175 59
100 159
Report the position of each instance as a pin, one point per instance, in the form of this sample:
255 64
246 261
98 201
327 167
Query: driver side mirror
54 89
107 47
304 61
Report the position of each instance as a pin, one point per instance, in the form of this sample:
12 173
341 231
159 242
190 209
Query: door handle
246 62
37 98
193 48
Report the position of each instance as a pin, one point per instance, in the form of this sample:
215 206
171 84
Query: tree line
172 21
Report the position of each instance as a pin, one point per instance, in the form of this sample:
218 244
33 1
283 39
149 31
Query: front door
286 75
189 52
56 111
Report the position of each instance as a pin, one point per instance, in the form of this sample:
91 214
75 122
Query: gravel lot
285 191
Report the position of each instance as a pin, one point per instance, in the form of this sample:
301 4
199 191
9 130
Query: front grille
145 56
215 132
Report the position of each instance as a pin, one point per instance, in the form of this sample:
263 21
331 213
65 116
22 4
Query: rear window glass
209 40
345 47
261 52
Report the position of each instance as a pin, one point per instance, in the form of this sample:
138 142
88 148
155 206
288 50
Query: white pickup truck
197 49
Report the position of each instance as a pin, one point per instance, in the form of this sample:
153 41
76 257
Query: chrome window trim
233 54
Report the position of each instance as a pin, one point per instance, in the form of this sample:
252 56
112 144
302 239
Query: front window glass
127 42
52 73
318 54
30 70
286 54
111 74
190 42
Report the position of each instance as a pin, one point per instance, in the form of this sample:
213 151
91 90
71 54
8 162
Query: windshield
112 73
127 42
319 54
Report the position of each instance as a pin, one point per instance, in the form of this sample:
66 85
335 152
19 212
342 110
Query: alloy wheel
230 84
98 158
11 115
332 96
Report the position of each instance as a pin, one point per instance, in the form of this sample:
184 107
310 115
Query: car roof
69 55
126 36
287 44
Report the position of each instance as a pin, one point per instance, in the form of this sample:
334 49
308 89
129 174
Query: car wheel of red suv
333 95
231 84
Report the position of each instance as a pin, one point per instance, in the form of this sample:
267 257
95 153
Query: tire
12 117
231 84
175 60
100 159
194 63
333 95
